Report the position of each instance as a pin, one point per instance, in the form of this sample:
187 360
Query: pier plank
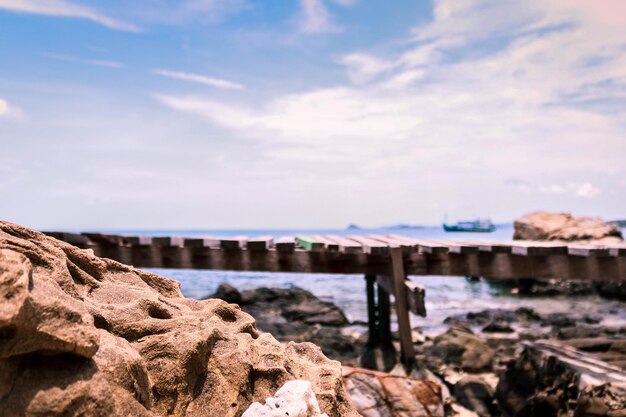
457 246
390 241
233 243
371 246
329 244
345 245
285 244
533 248
309 243
423 245
260 243
587 250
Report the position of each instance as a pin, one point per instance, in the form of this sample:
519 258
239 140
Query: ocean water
445 296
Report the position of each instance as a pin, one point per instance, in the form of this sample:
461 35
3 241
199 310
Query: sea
445 296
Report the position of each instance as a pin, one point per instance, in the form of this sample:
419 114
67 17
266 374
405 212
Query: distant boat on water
478 225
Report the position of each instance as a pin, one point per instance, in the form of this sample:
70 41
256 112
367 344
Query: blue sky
309 113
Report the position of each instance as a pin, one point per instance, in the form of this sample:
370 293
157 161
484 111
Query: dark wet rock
228 293
498 326
459 346
296 315
316 312
530 287
612 290
522 315
551 379
475 394
561 320
603 400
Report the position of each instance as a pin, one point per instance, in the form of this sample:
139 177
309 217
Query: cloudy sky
309 113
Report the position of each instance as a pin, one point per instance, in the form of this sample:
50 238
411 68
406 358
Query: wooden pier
385 260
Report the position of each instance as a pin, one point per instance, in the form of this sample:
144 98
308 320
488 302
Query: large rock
379 394
542 225
550 379
460 347
475 394
81 335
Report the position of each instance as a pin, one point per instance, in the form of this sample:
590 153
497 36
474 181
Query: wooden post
379 352
402 311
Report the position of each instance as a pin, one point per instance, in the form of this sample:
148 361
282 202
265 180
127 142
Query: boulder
379 394
460 347
82 335
541 225
550 379
475 394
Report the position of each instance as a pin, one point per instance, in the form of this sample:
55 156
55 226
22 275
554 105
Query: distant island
619 223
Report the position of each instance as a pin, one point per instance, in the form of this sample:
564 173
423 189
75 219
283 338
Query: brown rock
81 335
541 225
379 394
459 346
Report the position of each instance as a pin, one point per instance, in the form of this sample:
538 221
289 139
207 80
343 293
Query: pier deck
363 254
385 260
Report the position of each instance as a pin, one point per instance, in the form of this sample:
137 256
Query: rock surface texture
81 335
541 225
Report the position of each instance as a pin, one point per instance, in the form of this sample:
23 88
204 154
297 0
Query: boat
478 225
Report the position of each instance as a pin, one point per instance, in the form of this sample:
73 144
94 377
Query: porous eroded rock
541 225
82 335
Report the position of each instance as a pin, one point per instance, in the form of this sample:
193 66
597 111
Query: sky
221 114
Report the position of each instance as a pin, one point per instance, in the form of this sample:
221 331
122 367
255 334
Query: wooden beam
402 311
415 294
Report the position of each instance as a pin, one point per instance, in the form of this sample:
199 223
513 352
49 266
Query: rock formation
82 335
379 394
550 379
541 225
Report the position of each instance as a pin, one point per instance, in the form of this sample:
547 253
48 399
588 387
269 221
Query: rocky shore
490 362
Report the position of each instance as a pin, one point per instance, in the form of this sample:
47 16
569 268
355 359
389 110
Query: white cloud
530 89
94 62
8 111
587 190
363 67
551 189
200 79
62 8
315 18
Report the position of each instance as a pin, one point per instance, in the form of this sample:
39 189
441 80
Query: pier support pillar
380 353
402 309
